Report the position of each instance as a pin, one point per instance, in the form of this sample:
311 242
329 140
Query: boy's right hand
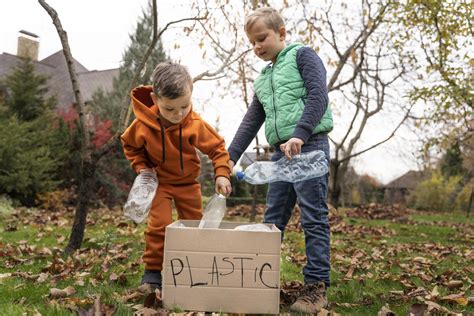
292 147
231 165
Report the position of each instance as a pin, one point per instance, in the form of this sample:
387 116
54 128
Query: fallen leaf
323 312
454 284
436 308
455 298
97 309
144 288
385 311
5 275
146 312
131 296
421 260
113 277
417 309
396 292
42 277
57 293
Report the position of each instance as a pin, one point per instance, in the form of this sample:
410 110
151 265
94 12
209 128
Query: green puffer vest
281 91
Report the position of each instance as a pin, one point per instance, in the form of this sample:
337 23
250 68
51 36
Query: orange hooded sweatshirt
171 151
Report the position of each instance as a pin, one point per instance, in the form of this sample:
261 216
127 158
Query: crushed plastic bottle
214 212
301 167
141 196
254 228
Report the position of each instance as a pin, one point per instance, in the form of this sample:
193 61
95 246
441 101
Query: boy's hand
223 186
292 147
231 165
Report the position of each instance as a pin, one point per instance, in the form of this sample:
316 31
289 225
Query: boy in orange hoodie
164 137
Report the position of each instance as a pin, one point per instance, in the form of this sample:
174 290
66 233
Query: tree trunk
86 192
338 172
469 205
336 186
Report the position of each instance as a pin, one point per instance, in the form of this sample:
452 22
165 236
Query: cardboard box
221 270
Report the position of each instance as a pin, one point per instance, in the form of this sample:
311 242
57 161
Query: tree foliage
438 34
108 105
34 142
26 92
452 162
434 193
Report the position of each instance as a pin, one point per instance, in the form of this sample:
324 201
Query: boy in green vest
291 98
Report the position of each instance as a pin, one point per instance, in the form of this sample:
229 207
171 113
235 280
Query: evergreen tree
28 161
452 162
26 92
34 143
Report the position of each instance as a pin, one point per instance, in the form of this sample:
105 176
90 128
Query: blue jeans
311 196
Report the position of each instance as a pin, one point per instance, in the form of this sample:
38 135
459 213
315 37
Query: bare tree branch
224 65
382 141
73 75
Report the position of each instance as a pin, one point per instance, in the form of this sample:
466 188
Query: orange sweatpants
187 199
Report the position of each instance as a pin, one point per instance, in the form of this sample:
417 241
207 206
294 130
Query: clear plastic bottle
141 196
214 212
301 167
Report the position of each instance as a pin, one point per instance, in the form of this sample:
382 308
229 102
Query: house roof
55 68
407 181
92 80
57 60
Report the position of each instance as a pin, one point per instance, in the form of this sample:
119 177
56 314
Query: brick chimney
28 45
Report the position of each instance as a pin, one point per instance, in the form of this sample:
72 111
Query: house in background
54 67
398 190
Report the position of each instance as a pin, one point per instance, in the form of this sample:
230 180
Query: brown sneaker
311 299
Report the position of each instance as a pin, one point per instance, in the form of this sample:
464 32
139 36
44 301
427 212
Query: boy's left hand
292 147
223 186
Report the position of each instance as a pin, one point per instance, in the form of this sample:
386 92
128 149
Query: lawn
381 257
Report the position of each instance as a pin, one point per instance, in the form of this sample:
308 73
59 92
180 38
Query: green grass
444 243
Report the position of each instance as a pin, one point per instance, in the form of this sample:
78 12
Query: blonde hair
171 80
271 17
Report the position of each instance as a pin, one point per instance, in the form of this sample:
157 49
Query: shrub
433 193
462 200
27 162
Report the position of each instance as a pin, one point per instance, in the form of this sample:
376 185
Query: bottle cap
240 175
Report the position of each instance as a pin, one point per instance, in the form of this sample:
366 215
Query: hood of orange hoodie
147 112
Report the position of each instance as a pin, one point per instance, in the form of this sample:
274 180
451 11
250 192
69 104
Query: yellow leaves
455 298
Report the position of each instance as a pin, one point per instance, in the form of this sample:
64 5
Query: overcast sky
98 33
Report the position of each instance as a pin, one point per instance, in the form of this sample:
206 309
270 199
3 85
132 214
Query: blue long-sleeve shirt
313 74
